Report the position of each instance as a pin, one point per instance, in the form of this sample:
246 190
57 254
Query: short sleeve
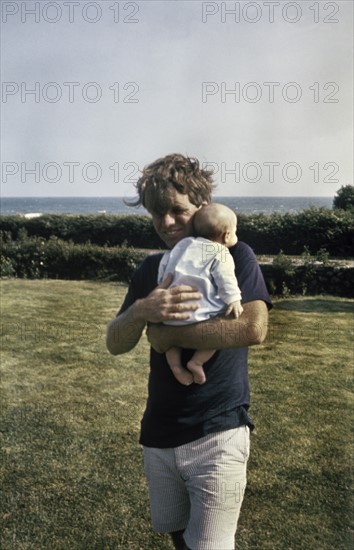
249 275
143 281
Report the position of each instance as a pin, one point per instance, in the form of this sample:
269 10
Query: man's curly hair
175 171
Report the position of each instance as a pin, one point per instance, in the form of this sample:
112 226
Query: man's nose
168 220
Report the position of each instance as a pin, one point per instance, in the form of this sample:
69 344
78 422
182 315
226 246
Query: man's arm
162 304
124 332
249 329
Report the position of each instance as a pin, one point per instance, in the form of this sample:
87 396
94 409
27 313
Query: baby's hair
212 221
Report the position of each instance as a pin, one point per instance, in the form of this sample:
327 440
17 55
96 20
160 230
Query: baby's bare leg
195 364
173 356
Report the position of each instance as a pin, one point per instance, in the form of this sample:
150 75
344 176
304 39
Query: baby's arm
235 309
223 273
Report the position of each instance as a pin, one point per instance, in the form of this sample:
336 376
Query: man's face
175 222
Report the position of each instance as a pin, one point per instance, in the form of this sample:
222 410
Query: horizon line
124 197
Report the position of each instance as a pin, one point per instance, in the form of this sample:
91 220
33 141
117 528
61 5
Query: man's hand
162 304
167 304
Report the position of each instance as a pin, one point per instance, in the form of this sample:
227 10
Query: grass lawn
72 473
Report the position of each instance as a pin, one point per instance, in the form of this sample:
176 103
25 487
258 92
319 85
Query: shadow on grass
320 305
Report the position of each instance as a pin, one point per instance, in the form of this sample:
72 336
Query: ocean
115 205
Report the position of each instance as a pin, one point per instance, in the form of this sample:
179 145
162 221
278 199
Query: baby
205 263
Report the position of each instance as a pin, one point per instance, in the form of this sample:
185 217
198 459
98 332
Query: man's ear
204 203
225 237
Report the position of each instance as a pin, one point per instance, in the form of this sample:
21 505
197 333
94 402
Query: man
195 438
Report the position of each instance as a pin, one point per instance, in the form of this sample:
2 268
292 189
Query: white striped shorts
198 487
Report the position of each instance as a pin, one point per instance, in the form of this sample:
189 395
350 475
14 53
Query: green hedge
36 258
110 230
310 276
317 228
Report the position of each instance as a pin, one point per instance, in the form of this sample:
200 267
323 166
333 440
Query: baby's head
217 223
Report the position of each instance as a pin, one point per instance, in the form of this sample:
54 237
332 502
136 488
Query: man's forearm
219 333
124 332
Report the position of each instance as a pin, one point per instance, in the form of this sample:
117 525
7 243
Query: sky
261 92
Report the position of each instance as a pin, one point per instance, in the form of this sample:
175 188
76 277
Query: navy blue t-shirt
176 414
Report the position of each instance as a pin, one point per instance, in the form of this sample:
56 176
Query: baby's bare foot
197 372
182 375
